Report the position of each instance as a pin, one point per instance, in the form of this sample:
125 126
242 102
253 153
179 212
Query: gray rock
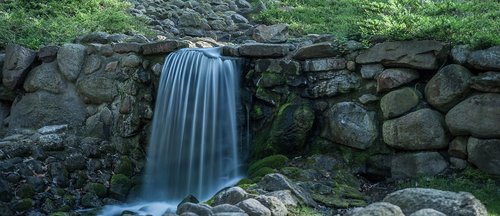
277 66
427 212
398 102
411 200
326 64
264 50
458 163
162 47
426 55
488 59
92 64
448 87
339 82
458 147
226 208
17 62
317 50
198 209
477 116
286 197
417 164
97 89
131 61
271 34
377 209
231 214
484 154
237 18
486 82
379 166
48 54
459 54
127 47
45 77
419 130
395 77
368 98
371 71
231 196
52 129
278 182
274 204
254 208
70 60
41 108
350 124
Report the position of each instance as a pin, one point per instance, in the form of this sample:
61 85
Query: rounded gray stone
448 87
398 102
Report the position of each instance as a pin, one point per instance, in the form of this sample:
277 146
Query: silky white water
193 148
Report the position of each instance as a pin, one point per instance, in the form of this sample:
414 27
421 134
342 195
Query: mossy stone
273 161
347 191
26 191
331 200
81 180
268 96
124 166
269 79
292 172
23 205
64 208
98 188
69 200
119 187
60 214
262 172
90 200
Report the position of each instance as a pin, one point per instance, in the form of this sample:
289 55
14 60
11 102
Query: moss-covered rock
273 161
69 200
268 96
22 205
60 214
91 200
261 172
119 186
98 188
269 79
124 166
26 191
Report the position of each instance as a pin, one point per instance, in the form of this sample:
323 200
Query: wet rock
488 59
45 77
254 208
411 200
42 108
91 200
326 64
276 207
198 209
271 34
6 193
486 82
97 89
484 154
448 87
318 50
377 209
261 50
350 124
231 196
371 71
278 182
395 77
398 102
419 130
477 116
17 62
425 55
417 164
162 47
70 59
458 147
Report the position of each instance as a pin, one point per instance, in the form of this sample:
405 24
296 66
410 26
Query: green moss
347 191
244 181
261 146
261 172
119 179
273 161
26 191
98 188
268 96
292 172
124 166
60 214
69 200
23 205
331 200
64 208
81 180
270 79
257 111
304 211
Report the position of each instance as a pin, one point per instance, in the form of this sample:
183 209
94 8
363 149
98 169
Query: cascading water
193 147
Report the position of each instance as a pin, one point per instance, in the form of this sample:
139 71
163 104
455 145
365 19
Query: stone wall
413 108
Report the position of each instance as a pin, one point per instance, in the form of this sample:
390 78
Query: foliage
474 22
484 187
44 22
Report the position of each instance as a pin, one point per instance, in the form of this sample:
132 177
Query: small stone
231 196
261 50
111 67
48 54
459 54
127 47
70 59
18 60
484 154
162 47
488 59
448 87
351 65
377 209
368 98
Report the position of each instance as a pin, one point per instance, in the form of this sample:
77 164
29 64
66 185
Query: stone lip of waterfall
213 52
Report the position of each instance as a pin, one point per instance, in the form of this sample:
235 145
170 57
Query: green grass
472 22
481 185
38 23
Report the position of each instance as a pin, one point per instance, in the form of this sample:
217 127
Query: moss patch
273 161
261 172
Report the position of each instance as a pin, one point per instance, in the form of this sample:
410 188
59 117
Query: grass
484 187
472 22
38 23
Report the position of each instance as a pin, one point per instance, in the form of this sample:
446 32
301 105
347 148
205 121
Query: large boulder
45 77
274 204
350 124
486 82
411 200
488 59
398 102
377 209
484 154
70 59
271 34
254 208
317 50
417 164
448 87
395 77
17 62
277 66
198 209
278 182
97 89
419 130
425 55
42 108
262 50
478 116
231 196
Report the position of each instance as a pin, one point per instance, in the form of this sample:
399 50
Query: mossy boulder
22 205
98 188
261 172
91 200
26 191
119 187
269 79
273 161
124 166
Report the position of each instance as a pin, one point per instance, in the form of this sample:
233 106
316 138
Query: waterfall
193 147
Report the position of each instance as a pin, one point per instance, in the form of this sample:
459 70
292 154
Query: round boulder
398 102
254 208
448 87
